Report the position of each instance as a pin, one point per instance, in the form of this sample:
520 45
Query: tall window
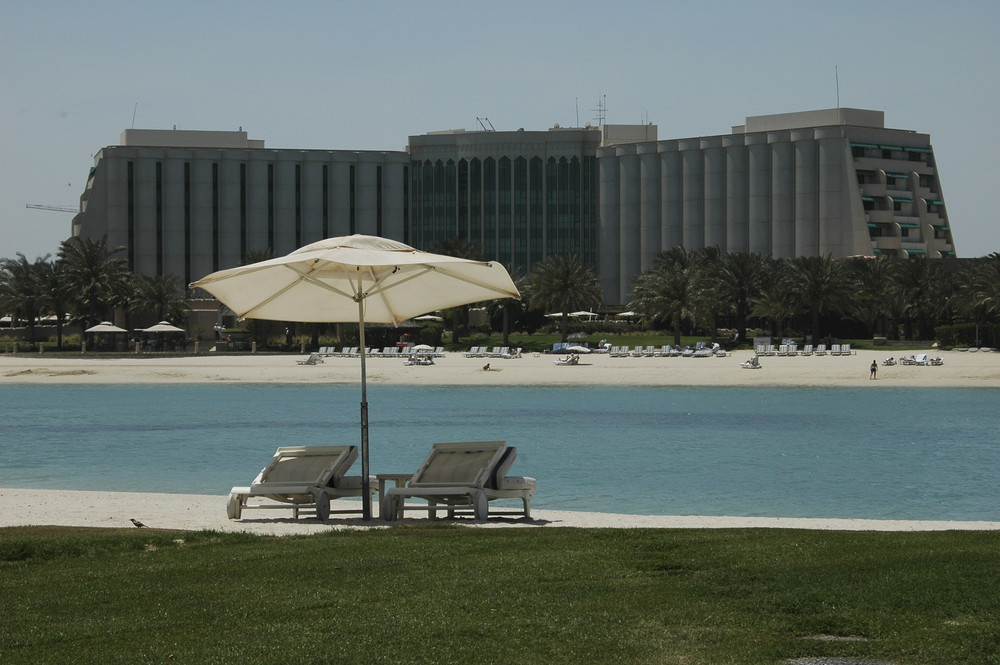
536 216
159 218
519 257
489 207
504 210
215 216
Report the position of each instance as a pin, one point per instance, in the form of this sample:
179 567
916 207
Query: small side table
398 478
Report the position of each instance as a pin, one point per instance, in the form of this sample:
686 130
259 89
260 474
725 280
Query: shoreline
966 370
186 512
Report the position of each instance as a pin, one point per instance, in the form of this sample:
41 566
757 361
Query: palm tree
563 283
94 276
821 286
160 294
21 291
465 249
919 283
740 277
670 290
774 303
55 294
872 302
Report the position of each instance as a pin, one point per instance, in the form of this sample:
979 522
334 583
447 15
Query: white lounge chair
807 350
459 477
313 359
302 478
921 359
821 350
753 363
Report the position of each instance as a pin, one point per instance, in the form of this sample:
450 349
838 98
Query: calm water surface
790 452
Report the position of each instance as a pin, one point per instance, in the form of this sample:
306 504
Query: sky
342 75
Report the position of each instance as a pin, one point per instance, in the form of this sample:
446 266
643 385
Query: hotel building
833 182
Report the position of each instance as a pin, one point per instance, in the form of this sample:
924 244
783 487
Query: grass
441 594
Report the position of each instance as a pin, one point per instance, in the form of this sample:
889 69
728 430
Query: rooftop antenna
577 111
134 108
485 129
836 73
602 109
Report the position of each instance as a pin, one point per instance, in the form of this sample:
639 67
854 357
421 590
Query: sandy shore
170 511
960 369
23 507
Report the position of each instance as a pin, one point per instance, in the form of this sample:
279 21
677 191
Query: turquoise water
789 452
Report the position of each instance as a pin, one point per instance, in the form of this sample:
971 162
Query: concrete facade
830 182
190 210
833 182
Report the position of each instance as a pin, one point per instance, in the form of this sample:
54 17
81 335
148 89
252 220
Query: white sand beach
20 507
25 507
960 369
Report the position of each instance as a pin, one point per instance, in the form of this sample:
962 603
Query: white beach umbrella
428 317
356 278
422 347
163 326
578 349
105 327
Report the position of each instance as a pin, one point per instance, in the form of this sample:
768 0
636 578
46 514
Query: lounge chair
821 350
807 351
313 359
461 476
921 359
571 359
301 478
753 363
936 361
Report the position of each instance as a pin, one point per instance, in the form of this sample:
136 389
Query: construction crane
38 206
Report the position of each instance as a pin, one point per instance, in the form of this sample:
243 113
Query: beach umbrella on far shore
579 349
360 279
163 327
105 327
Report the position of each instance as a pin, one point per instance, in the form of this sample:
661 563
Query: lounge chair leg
235 506
323 507
482 506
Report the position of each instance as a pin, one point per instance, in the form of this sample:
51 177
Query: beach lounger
313 359
807 351
459 477
753 363
921 359
301 478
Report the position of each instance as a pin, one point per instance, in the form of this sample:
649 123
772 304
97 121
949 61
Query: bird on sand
138 523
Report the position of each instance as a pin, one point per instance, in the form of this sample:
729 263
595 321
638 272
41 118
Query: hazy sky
366 75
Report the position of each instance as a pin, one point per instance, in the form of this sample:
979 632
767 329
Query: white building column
759 190
715 192
671 196
649 204
737 220
693 212
608 262
806 193
782 196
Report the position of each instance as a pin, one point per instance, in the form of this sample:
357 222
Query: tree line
87 281
701 291
685 291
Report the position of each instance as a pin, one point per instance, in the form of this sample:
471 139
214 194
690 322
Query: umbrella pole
366 497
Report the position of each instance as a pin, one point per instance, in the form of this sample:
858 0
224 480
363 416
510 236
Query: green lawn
441 594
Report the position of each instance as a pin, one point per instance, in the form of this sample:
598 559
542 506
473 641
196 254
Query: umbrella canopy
163 326
105 327
626 314
583 313
578 349
422 347
356 278
428 317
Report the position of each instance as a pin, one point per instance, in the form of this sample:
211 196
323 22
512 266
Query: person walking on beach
874 370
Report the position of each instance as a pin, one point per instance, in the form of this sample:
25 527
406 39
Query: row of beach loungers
807 350
494 352
385 352
702 350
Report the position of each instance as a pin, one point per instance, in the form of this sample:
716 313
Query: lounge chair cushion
517 483
500 469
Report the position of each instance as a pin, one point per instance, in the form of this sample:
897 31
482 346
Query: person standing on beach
874 370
